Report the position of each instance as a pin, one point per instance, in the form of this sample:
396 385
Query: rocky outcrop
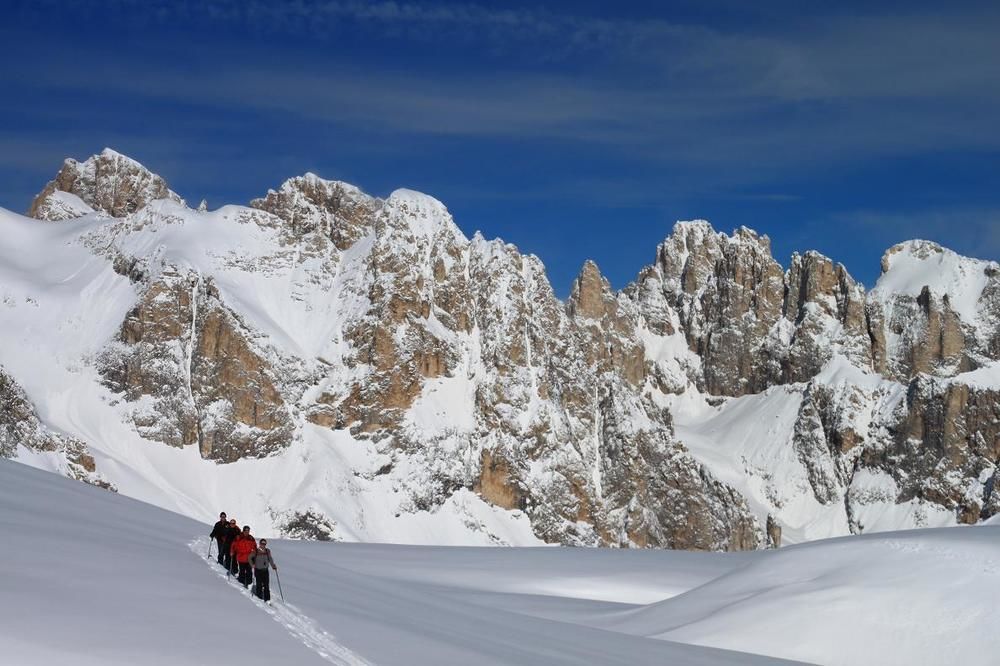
927 337
827 309
306 525
752 324
327 209
20 426
728 293
111 183
186 363
948 446
607 328
932 442
496 484
150 359
241 411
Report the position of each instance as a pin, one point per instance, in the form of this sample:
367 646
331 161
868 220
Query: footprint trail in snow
297 623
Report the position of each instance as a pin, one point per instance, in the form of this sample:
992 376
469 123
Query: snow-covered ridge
907 268
422 215
311 179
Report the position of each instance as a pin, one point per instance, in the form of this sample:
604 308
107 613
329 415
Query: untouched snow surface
95 578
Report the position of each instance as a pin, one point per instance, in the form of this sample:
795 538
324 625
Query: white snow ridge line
298 624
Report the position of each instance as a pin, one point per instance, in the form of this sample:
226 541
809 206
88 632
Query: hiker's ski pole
278 578
210 540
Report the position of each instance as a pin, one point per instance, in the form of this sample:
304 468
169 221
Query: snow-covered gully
291 618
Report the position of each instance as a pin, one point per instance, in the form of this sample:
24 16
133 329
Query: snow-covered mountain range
332 365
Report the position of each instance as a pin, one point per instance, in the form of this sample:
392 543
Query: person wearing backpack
261 558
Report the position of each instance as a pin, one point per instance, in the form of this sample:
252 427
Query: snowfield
95 578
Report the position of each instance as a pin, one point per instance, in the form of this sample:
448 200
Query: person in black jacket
219 534
231 532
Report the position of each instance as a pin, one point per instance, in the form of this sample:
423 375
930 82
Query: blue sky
573 129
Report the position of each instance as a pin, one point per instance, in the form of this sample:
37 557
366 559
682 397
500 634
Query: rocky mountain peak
815 278
909 267
335 209
421 215
744 234
693 232
933 311
688 238
916 249
109 182
728 292
591 293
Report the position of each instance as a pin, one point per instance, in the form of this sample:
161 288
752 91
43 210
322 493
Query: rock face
322 315
549 392
20 426
752 324
827 309
186 361
110 182
323 209
728 293
949 436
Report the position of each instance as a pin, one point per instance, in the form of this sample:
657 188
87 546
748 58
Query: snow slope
747 443
914 597
95 578
91 577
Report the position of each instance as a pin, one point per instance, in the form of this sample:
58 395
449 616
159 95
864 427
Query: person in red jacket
243 546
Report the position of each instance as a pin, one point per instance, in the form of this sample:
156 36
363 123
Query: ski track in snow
297 623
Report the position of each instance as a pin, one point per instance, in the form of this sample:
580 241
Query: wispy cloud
659 123
772 197
737 106
915 53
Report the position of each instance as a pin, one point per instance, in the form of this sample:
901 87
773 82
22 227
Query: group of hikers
243 557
